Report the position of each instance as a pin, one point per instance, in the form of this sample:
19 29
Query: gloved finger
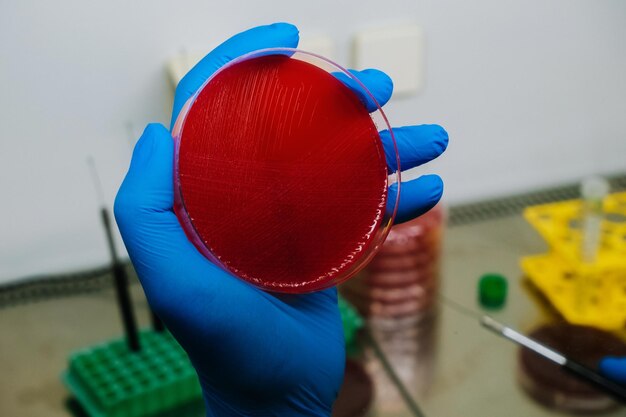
377 82
276 35
416 197
155 241
416 145
614 368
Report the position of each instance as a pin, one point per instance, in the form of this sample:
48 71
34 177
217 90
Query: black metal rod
157 324
121 287
607 386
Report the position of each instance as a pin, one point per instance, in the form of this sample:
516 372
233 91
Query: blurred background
532 93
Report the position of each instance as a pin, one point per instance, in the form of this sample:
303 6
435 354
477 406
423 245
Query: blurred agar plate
402 278
370 308
281 177
404 244
553 386
391 295
403 262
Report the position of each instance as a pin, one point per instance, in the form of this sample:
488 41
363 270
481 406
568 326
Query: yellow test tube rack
562 275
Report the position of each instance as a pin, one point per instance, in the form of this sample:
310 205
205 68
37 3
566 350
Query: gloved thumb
156 243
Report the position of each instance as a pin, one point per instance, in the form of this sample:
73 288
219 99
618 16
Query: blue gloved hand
256 353
614 368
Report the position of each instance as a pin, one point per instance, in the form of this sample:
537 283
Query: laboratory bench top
446 363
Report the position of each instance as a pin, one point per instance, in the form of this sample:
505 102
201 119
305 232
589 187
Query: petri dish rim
393 178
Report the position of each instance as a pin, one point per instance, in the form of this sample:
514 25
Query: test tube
593 191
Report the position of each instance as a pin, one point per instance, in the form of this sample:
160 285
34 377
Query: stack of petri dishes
401 281
397 294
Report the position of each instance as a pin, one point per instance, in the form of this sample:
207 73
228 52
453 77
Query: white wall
533 92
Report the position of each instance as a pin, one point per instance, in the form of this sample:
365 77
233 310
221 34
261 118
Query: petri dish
550 385
280 174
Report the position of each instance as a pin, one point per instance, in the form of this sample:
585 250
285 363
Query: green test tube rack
352 322
109 380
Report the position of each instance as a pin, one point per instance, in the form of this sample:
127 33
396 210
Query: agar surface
282 173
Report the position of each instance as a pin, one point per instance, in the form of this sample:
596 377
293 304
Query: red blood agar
281 174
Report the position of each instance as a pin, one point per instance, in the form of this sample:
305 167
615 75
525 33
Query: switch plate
397 50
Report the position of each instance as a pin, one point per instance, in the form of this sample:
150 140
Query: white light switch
398 51
180 65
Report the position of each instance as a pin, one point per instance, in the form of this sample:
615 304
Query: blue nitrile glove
614 368
256 353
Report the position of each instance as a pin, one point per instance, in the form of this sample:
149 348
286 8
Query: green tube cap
492 290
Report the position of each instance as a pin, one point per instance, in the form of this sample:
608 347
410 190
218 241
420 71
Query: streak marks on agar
282 173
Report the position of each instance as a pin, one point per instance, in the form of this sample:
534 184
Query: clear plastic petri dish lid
286 171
